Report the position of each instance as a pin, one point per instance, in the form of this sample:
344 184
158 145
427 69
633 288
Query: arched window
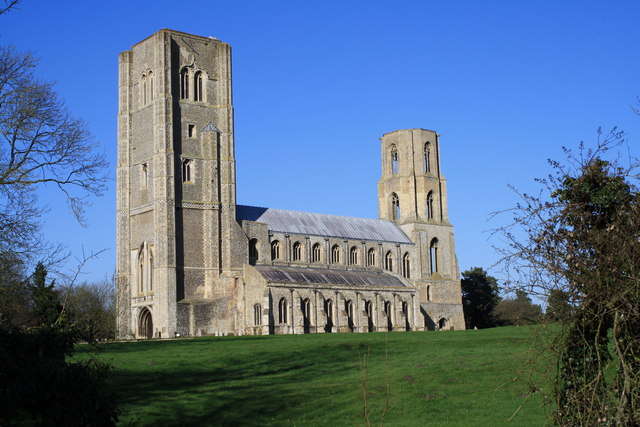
282 310
257 315
187 170
335 254
150 77
348 307
315 253
253 250
428 293
430 205
353 256
150 279
371 257
296 252
198 87
140 276
406 265
143 90
394 160
388 261
433 256
306 311
184 84
427 157
387 308
328 308
395 207
275 249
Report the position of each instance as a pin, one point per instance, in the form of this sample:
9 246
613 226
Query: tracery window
296 252
430 205
371 257
394 160
315 253
282 310
257 315
427 157
388 261
395 206
275 250
198 87
184 84
335 254
353 256
433 256
406 266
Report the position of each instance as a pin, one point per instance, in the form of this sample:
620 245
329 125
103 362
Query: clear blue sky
316 83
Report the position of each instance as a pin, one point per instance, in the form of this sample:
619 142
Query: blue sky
506 84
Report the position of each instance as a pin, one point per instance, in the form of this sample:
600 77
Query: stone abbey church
190 261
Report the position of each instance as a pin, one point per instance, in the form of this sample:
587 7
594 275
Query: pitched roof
323 276
313 224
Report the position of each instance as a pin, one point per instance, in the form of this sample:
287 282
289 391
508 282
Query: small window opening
406 266
282 311
430 205
187 170
184 84
257 315
145 175
253 251
395 207
394 160
427 157
433 255
191 131
198 92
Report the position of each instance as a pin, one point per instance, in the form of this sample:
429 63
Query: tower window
275 250
184 84
191 131
433 256
371 257
394 160
353 256
198 90
143 90
296 252
406 266
388 261
395 207
430 205
315 253
335 254
150 284
427 157
187 170
145 175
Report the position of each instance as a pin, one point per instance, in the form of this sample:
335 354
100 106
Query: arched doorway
442 324
145 327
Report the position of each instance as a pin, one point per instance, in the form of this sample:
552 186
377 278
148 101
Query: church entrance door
145 328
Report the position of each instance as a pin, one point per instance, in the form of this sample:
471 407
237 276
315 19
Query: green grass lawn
477 377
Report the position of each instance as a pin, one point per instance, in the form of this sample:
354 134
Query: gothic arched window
353 256
275 250
433 256
257 315
184 84
315 253
394 160
395 207
282 310
253 250
371 257
430 205
406 265
198 90
296 252
427 157
335 254
388 261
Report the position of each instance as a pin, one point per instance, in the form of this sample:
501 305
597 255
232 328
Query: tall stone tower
412 192
179 248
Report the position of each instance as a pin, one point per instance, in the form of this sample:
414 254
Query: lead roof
322 276
314 224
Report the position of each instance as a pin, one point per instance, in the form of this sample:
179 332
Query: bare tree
581 236
40 144
8 5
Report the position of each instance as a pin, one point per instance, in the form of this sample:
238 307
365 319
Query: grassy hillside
434 378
